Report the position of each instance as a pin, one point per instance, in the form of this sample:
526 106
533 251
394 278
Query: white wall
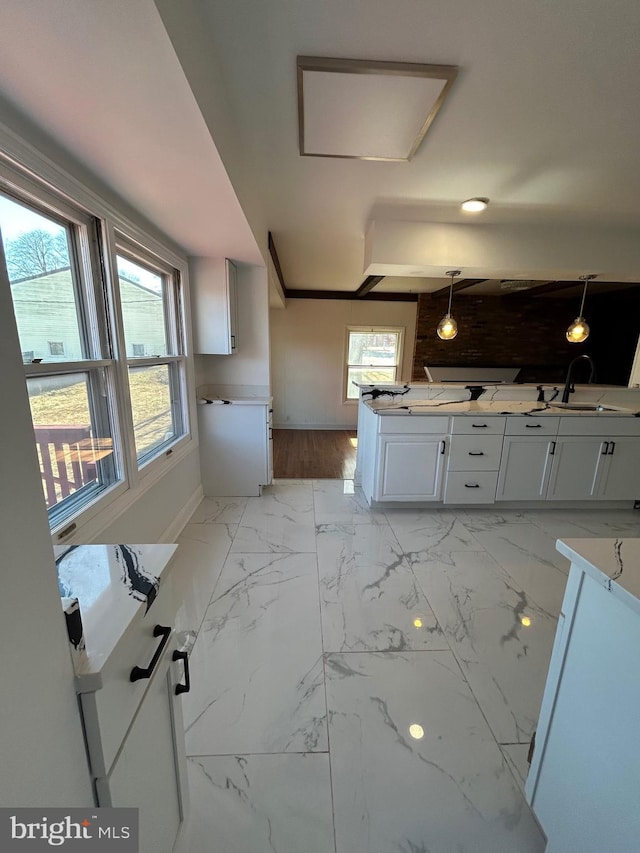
307 356
250 364
41 742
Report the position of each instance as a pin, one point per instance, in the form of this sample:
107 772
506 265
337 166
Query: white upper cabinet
214 306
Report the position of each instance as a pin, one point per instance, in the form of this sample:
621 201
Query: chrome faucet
568 387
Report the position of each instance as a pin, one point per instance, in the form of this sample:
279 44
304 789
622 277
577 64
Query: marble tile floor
367 681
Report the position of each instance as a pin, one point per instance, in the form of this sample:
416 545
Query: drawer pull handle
184 657
479 426
476 453
533 426
612 448
138 672
605 448
472 485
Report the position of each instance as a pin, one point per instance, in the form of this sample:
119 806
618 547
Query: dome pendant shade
447 328
578 331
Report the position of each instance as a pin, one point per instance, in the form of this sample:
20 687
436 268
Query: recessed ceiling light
475 205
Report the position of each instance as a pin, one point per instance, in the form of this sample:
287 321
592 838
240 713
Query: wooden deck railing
68 456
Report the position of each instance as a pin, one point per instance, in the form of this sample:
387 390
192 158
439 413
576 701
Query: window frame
173 301
36 182
373 330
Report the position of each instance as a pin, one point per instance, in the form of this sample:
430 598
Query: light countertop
614 563
113 584
242 395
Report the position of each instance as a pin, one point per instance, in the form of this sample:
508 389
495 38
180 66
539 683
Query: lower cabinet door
620 470
410 467
149 771
574 472
524 468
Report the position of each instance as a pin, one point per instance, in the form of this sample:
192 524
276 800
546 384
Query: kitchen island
507 444
585 772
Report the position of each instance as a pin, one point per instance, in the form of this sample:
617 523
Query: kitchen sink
589 407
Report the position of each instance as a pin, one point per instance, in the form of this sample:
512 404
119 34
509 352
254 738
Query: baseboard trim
179 522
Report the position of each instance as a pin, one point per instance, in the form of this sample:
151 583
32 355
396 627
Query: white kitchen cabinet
410 467
235 448
525 468
619 470
149 772
574 471
215 306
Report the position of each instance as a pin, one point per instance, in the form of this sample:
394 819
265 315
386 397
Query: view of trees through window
57 293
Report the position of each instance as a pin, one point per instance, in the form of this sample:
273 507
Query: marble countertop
113 584
243 395
615 563
490 407
499 399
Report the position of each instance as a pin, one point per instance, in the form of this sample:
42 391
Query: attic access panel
367 110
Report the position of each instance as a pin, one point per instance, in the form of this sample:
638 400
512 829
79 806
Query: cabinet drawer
598 425
475 452
414 424
108 712
470 487
545 425
478 425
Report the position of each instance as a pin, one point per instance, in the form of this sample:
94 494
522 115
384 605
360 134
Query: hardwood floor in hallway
315 453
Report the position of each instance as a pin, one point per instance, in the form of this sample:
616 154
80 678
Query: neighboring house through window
373 354
99 417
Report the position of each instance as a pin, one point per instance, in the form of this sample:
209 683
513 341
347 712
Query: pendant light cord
584 296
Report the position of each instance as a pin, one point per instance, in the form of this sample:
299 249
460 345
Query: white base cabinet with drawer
149 772
505 459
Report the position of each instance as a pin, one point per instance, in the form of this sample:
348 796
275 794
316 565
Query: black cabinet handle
552 448
476 453
612 447
233 341
472 485
138 672
479 426
443 444
533 426
605 448
184 657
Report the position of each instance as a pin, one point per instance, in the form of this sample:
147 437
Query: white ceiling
543 119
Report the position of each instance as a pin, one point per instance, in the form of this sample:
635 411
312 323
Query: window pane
42 283
373 348
73 440
143 310
368 375
153 417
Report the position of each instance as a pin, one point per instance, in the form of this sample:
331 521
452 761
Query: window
149 303
99 320
373 355
48 253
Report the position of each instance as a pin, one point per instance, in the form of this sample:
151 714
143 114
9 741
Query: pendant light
578 331
447 327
